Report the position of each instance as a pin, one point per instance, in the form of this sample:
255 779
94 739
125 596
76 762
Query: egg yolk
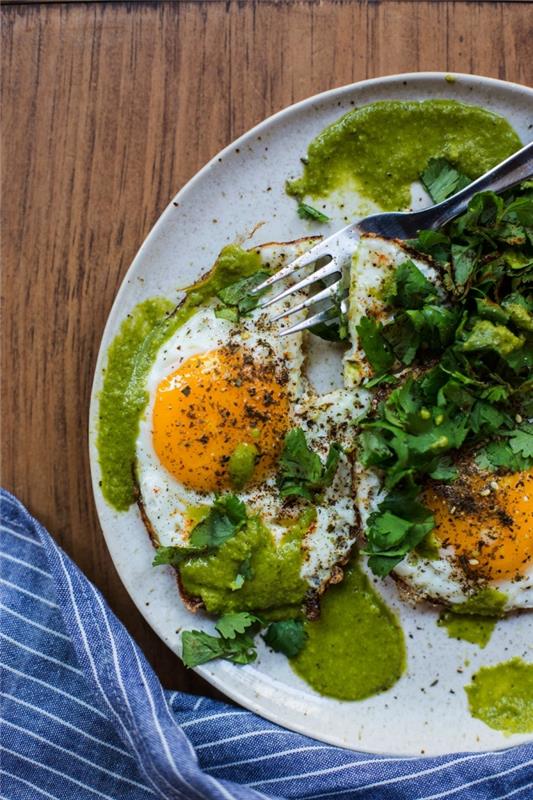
488 521
212 403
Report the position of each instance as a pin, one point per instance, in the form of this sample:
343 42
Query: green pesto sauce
356 649
474 620
129 358
475 628
242 463
502 696
487 336
273 587
382 148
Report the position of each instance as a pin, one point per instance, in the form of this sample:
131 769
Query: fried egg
484 522
216 384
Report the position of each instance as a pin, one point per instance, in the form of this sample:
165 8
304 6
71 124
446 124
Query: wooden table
109 108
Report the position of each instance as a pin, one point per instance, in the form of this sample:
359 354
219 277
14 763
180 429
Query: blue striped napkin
85 717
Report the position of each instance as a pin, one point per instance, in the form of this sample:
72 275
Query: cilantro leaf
464 259
174 555
441 179
287 636
521 441
308 212
226 517
375 345
499 455
410 288
200 647
432 243
301 472
236 298
229 625
398 526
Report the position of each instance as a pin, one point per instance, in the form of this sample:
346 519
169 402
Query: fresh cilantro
521 441
432 243
301 471
237 299
224 519
287 636
464 260
174 555
410 288
308 212
441 179
199 647
376 347
399 525
229 625
513 453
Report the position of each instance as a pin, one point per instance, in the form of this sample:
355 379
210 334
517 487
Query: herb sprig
226 517
233 642
301 471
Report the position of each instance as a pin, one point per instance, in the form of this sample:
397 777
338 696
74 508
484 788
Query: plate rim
218 679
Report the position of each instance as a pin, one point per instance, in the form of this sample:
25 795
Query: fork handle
514 169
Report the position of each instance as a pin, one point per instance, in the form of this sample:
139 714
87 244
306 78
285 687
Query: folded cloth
85 717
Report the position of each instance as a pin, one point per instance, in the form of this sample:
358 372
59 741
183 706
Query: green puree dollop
382 148
273 586
129 358
474 620
502 696
356 648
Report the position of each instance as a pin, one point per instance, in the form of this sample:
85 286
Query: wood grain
108 109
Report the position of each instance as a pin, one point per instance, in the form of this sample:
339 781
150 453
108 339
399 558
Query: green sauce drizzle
474 620
356 648
502 696
129 358
382 148
273 587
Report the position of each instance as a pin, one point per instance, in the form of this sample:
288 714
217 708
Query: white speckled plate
426 711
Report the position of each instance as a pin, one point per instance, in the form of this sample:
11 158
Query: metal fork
337 250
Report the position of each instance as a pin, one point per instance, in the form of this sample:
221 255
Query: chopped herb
237 299
375 345
229 625
521 441
301 471
308 212
441 179
287 636
233 644
200 647
410 288
174 555
225 518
